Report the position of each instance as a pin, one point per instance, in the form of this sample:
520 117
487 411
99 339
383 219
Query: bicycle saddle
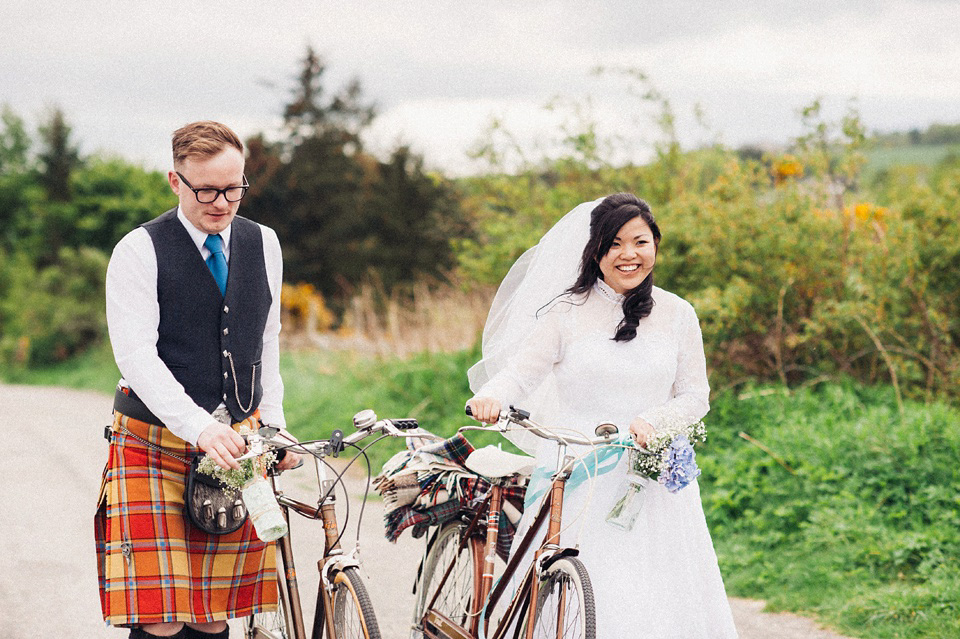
490 461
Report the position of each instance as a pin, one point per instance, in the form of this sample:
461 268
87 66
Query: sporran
211 505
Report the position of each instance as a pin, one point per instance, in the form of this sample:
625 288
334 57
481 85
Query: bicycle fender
336 563
560 554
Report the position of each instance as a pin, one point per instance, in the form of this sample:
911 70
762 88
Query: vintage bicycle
343 606
456 594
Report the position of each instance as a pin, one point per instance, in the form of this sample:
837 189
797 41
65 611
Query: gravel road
54 453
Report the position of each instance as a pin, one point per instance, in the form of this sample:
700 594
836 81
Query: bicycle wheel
270 625
565 605
457 599
353 616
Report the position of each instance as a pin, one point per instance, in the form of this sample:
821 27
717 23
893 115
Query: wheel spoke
565 607
353 616
456 599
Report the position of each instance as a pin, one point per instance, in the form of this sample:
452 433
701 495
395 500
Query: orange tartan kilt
154 565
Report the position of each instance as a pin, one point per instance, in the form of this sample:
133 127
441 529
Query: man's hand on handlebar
484 409
291 458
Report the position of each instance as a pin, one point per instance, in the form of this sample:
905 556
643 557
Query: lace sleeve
528 367
690 395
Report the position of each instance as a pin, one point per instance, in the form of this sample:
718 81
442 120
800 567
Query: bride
578 334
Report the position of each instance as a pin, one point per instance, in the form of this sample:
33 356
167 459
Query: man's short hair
203 139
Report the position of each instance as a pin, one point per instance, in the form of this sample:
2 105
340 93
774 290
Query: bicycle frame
437 626
336 568
332 557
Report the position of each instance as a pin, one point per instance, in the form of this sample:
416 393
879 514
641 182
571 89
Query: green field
834 505
925 155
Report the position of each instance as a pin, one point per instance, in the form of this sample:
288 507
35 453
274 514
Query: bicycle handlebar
522 418
269 438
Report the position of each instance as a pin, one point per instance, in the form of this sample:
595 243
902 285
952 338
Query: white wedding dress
660 579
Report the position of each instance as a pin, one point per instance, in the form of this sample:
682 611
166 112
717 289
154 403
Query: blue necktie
217 263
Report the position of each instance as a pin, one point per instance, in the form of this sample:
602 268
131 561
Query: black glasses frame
218 192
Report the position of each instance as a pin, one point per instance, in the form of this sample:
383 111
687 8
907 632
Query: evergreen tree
340 213
58 156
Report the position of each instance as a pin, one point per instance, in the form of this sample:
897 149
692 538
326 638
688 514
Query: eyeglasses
208 196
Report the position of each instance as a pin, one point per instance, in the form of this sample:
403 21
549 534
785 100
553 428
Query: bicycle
456 591
343 607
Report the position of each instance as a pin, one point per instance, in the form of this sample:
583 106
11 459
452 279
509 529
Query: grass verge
839 506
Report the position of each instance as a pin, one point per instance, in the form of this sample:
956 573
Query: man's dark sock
193 633
140 633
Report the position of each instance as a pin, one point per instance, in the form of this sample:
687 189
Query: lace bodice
660 375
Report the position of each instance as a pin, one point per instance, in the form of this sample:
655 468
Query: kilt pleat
153 565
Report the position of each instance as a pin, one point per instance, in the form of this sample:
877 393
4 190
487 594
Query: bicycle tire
270 625
457 600
353 616
566 580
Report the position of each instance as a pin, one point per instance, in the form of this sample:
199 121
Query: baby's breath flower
234 479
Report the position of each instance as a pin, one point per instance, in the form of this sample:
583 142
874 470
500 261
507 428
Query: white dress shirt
133 320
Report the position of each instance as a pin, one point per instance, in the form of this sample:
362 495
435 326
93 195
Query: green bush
798 271
832 502
50 313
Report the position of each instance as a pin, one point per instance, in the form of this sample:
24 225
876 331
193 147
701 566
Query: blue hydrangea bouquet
668 458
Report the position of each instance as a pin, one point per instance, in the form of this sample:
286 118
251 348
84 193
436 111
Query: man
193 311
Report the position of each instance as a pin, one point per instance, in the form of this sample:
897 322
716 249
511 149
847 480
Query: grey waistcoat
201 331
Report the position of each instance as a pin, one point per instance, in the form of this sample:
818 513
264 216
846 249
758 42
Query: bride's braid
605 221
637 304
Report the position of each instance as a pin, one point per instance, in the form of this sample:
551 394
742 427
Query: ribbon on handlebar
602 460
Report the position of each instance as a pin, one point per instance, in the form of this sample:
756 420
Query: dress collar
605 291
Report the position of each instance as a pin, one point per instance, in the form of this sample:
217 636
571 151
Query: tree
340 212
14 143
18 182
416 216
339 121
58 157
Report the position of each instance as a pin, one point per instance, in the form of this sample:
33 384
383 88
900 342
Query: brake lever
336 443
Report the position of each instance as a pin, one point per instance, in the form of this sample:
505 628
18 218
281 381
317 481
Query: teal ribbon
600 461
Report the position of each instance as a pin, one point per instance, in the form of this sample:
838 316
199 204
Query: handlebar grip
405 424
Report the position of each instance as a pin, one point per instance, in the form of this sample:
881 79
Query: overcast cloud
127 73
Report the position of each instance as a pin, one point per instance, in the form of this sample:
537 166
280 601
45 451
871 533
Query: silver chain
149 444
236 389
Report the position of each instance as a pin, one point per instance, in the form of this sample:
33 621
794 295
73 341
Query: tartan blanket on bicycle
153 565
429 485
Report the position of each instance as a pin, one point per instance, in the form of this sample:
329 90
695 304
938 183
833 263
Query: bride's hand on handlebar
641 431
485 409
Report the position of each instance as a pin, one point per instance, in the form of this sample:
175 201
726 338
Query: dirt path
53 455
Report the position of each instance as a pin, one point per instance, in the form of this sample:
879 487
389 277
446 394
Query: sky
127 73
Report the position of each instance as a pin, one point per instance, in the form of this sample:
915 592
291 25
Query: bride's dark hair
605 221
